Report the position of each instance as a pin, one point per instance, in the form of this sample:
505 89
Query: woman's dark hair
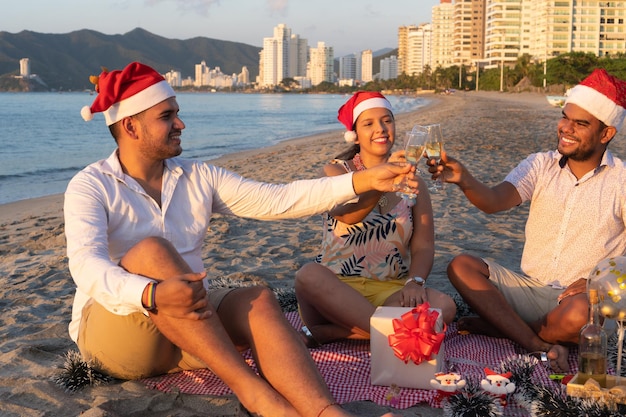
349 153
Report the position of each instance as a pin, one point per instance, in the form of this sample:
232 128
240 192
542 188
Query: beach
489 132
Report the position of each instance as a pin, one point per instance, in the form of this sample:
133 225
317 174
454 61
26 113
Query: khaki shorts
531 299
131 347
376 292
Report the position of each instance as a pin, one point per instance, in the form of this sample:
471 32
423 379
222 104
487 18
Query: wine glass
414 150
434 149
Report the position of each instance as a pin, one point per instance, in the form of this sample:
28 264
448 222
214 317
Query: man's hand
385 177
448 168
183 297
577 287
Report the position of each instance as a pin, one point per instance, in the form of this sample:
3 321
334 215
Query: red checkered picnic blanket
345 366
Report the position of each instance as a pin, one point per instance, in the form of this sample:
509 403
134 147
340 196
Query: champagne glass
414 150
434 148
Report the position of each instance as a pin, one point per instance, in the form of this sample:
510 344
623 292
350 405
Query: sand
490 132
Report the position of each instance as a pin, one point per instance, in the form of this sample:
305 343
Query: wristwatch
418 280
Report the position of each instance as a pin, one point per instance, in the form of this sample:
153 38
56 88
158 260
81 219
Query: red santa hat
127 92
357 104
602 95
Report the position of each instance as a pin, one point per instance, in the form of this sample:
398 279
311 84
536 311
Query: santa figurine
497 384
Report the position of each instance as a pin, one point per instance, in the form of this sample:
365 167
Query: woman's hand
412 295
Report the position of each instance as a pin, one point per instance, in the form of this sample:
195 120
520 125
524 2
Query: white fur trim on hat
139 102
370 103
599 105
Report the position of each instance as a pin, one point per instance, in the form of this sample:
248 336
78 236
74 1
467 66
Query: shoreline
489 132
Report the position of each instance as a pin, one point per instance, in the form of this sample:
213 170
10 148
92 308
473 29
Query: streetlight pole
502 74
477 73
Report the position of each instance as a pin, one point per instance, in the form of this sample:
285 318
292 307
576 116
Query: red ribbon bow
414 336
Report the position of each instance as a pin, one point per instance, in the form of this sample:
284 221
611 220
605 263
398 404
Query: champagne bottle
592 356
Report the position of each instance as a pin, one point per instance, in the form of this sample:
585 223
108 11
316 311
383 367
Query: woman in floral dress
376 251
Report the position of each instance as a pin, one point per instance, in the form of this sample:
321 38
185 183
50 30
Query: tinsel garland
538 400
77 373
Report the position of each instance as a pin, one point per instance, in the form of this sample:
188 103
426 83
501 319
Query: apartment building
367 68
284 55
552 27
442 34
321 63
497 32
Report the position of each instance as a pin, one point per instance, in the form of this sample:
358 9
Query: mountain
65 61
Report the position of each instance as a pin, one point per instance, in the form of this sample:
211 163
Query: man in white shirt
135 223
577 218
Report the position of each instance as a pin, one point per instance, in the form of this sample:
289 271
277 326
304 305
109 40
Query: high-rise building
503 31
477 40
442 34
25 67
283 56
389 68
403 48
418 54
347 67
174 78
298 56
200 71
367 66
321 63
462 40
244 77
551 28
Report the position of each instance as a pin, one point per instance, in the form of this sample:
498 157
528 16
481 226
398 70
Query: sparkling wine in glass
434 148
414 150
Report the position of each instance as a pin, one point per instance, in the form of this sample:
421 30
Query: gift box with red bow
406 345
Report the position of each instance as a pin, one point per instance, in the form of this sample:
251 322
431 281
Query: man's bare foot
476 325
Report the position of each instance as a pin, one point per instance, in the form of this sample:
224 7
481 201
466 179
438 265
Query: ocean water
44 141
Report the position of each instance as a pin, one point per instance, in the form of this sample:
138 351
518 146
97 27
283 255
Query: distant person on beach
135 223
577 218
377 251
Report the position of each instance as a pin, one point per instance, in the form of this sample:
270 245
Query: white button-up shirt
573 223
108 212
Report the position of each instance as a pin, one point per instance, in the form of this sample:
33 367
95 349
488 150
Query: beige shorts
131 347
531 299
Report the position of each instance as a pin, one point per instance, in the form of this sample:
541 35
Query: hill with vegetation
65 61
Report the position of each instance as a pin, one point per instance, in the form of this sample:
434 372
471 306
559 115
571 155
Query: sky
348 26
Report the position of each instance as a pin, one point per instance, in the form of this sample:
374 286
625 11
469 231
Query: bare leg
252 317
470 276
331 309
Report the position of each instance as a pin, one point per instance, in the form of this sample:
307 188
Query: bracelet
327 406
151 296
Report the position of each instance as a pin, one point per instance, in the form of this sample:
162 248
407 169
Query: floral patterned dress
377 248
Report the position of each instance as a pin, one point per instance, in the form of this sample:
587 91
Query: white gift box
386 368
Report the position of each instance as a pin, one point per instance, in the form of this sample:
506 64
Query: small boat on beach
556 101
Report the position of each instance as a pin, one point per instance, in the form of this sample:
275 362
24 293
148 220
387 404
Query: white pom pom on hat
127 92
350 136
86 113
357 104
